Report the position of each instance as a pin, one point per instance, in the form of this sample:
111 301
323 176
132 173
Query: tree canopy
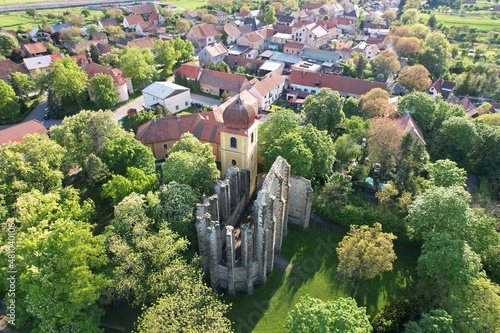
324 110
103 90
414 78
68 80
9 105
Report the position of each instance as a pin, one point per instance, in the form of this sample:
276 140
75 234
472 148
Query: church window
252 137
233 143
233 162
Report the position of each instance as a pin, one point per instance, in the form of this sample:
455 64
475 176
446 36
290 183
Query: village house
232 32
443 87
146 28
268 90
191 15
202 35
156 18
215 83
310 82
7 67
74 47
131 21
221 16
251 65
17 132
321 56
101 37
293 47
35 49
285 20
309 6
107 22
312 35
172 96
212 54
470 109
280 39
37 35
142 43
189 70
332 10
123 84
253 40
371 51
409 125
43 64
144 10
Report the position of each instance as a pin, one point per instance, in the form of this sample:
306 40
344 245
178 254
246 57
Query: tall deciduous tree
321 145
7 44
136 181
435 321
270 16
185 49
9 106
103 90
292 148
138 65
22 85
407 47
415 78
422 107
182 25
436 57
324 110
384 143
166 54
366 252
374 103
445 173
69 80
386 62
311 315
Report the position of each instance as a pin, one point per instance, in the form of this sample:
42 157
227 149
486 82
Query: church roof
238 115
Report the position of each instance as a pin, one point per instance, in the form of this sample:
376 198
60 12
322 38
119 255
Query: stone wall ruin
236 258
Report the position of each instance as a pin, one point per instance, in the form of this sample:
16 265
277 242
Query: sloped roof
8 66
204 30
235 61
142 9
224 81
164 89
41 61
147 26
190 70
154 17
344 85
142 43
108 22
316 29
216 49
470 109
310 5
34 48
293 45
409 125
92 69
323 55
231 30
59 27
269 83
134 19
98 36
17 132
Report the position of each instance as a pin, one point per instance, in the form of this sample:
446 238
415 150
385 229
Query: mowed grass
314 259
483 23
178 3
12 20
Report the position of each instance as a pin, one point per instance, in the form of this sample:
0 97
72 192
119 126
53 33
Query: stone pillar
260 254
269 236
222 191
245 185
201 224
214 249
230 260
278 210
213 207
285 193
247 255
233 176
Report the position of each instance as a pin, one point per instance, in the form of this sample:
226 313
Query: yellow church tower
238 139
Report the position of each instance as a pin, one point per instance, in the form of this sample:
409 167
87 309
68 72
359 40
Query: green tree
432 21
270 16
436 57
292 148
97 170
31 12
95 53
125 151
136 181
386 62
448 263
409 17
69 80
374 103
7 44
311 315
347 149
85 133
366 252
36 163
103 91
22 85
414 78
358 128
193 307
138 65
457 140
324 110
223 67
185 49
335 194
434 321
323 157
9 105
384 143
182 25
422 108
144 271
133 123
445 173
167 55
410 163
62 276
189 143
277 125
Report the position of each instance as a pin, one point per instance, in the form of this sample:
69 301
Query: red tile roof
8 66
269 83
142 43
344 85
190 70
34 48
204 30
134 19
231 30
224 81
17 133
293 45
142 9
92 69
147 26
409 125
154 17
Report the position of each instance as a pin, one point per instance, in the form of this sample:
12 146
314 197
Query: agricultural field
187 4
313 271
482 23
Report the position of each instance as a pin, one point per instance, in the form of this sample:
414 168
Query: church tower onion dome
238 115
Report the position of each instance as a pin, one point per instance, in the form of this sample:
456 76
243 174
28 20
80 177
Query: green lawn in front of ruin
314 262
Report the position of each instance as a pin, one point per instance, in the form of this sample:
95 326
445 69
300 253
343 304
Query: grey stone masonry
249 253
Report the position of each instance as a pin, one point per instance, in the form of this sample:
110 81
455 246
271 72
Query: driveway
122 111
205 100
37 114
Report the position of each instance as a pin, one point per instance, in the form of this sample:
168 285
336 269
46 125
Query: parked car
46 115
196 104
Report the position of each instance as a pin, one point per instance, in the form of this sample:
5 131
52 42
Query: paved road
205 100
122 111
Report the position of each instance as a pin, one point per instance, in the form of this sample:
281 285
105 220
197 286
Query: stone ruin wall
238 263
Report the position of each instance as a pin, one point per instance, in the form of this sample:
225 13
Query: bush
392 317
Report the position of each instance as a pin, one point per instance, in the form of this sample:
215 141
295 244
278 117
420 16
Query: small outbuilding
167 94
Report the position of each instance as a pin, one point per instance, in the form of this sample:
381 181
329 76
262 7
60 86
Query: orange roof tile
17 133
190 70
34 48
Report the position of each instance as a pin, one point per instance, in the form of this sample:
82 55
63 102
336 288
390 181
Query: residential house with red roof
107 22
189 70
293 47
312 35
202 35
312 82
146 28
409 125
470 109
258 40
35 49
212 54
332 10
8 66
232 32
17 132
122 82
443 87
144 10
215 83
268 90
131 21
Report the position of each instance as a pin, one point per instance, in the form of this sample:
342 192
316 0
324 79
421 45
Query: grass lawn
178 3
314 261
483 23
